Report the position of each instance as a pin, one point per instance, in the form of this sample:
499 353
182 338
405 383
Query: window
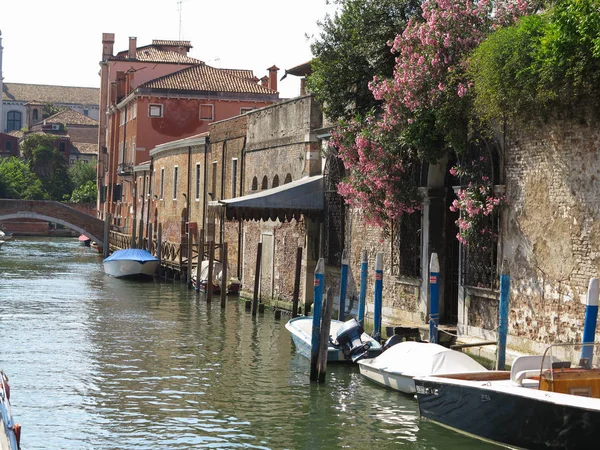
207 112
265 183
288 178
234 179
62 146
86 112
245 110
8 145
147 185
175 173
162 183
134 111
214 181
254 184
72 161
35 115
197 181
13 121
275 181
155 110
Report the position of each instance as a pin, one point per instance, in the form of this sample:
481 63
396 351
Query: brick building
9 145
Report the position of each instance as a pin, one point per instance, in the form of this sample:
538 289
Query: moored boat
398 365
84 240
348 341
4 236
10 432
542 403
131 263
233 287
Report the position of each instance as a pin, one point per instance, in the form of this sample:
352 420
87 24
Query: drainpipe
242 178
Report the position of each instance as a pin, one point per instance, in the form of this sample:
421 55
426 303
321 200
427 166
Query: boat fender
17 430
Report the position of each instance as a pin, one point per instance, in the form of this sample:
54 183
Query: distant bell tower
1 88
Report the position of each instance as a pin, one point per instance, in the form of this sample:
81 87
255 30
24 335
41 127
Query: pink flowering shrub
426 105
477 203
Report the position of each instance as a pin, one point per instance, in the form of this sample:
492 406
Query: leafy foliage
85 193
17 181
82 172
352 49
49 110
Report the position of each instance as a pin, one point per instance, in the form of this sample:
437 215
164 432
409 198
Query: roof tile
21 92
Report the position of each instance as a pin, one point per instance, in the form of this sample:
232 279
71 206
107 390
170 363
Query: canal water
101 363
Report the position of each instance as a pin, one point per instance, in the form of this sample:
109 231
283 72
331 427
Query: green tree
82 172
48 164
353 47
49 110
17 181
85 193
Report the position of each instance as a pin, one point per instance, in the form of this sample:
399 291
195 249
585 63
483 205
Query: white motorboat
131 263
233 286
348 341
397 366
5 236
2 243
542 403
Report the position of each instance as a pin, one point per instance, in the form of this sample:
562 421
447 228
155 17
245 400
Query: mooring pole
132 242
503 317
200 258
190 238
159 249
343 285
106 246
223 274
257 279
434 317
589 327
140 243
297 282
316 323
364 274
209 277
378 296
150 243
325 330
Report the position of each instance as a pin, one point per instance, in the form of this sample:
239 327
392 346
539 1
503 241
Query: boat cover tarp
423 358
285 202
131 254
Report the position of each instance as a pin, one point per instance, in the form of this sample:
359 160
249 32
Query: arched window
13 121
254 184
288 178
265 183
35 115
275 181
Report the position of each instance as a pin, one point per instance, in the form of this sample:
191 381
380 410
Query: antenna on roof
180 3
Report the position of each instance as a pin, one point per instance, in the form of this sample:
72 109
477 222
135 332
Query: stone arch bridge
52 211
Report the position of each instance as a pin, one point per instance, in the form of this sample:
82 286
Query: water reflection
101 363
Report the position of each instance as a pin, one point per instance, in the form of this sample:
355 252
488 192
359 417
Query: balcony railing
125 170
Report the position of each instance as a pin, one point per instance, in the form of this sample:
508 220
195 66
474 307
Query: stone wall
551 231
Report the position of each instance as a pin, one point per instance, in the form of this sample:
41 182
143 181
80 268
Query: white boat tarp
423 358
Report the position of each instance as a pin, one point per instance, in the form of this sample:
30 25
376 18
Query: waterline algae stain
102 363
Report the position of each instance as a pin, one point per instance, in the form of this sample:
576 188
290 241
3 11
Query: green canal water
101 363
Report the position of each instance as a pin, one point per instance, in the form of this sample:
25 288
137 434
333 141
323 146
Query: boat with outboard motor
10 432
541 403
347 341
399 364
131 263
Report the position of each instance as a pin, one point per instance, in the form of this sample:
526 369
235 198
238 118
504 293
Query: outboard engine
348 338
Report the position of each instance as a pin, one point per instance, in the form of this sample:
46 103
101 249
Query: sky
60 42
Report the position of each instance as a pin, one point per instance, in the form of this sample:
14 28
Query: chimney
264 81
113 94
108 41
302 86
131 54
273 77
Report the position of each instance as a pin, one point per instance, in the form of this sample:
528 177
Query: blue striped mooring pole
503 317
378 298
364 273
589 326
343 285
434 300
316 325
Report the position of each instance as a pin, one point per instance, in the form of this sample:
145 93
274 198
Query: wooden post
200 258
150 243
133 230
257 279
325 329
106 246
315 346
209 278
159 250
297 283
141 235
223 274
190 238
